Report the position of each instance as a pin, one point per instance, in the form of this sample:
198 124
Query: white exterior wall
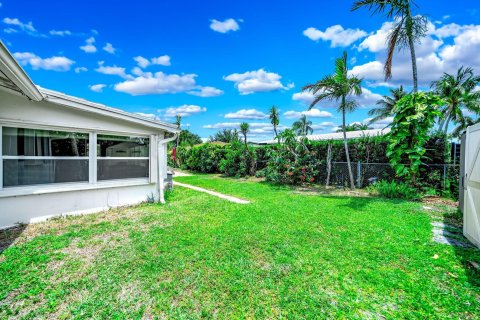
29 204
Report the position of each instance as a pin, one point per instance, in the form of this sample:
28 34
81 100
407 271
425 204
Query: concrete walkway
213 193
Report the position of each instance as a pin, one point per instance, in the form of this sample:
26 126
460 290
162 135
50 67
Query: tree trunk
411 44
275 132
345 142
449 117
329 163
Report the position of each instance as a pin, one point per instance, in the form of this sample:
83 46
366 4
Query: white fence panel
471 215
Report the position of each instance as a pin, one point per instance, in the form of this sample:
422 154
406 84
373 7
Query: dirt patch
434 200
316 190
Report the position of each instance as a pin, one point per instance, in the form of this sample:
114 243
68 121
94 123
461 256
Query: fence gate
471 185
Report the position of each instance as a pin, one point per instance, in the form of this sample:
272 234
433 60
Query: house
337 135
63 155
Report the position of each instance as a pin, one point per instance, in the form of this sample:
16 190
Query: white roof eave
15 73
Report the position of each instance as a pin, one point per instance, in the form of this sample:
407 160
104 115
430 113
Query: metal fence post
359 174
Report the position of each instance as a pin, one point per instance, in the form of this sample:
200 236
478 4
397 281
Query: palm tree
178 122
274 119
302 126
460 129
355 127
408 29
386 105
458 92
225 135
244 129
339 87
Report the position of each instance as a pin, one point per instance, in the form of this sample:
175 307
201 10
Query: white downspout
160 182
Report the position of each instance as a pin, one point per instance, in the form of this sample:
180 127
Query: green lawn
284 255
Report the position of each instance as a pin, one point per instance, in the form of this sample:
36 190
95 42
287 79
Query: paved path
213 193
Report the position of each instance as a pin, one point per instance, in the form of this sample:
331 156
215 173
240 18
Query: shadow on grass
469 257
9 235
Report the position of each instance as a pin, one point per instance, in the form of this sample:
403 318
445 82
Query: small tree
244 129
415 116
274 119
302 126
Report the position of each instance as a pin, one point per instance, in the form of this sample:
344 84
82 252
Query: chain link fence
437 176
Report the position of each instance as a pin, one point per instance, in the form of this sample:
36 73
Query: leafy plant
415 115
239 160
393 190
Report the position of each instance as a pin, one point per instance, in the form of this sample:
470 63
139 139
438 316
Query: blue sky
219 63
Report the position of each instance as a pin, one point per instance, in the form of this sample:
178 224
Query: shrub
239 160
393 190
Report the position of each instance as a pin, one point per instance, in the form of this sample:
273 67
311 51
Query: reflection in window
30 156
43 143
120 146
121 157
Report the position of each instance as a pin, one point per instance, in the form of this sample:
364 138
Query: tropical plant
386 105
458 93
302 126
239 160
408 28
393 190
274 116
339 87
244 129
225 135
178 122
460 129
355 127
188 138
415 115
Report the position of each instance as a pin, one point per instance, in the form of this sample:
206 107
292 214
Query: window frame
92 159
97 158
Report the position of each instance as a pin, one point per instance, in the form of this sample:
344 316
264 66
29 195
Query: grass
284 255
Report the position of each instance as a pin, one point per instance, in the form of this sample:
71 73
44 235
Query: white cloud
162 60
60 33
337 35
184 110
257 81
144 62
380 124
109 48
112 70
304 96
10 30
377 41
252 114
28 26
80 69
444 49
366 99
313 113
204 92
224 26
148 115
89 46
158 83
97 87
55 63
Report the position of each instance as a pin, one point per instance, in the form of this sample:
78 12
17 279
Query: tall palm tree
178 122
244 129
274 119
458 92
302 126
339 87
408 29
386 105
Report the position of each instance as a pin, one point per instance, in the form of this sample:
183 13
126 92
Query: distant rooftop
338 135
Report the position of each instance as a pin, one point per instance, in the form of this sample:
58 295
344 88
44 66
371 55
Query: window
33 156
121 157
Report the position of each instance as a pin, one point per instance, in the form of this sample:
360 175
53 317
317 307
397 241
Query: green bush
239 160
393 190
